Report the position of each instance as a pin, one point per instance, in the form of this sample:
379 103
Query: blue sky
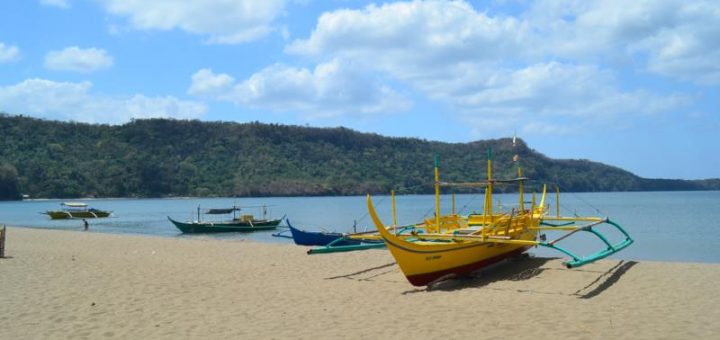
634 84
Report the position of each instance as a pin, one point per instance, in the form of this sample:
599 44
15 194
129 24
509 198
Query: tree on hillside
8 182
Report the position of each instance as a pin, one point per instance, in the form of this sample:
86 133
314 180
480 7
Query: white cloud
205 82
331 89
223 21
9 53
74 101
79 60
415 33
674 38
412 39
554 97
556 63
56 3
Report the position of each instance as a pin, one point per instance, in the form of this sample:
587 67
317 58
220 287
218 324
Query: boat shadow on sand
525 268
518 269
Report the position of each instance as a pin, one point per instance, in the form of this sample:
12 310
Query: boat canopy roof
221 211
482 183
74 204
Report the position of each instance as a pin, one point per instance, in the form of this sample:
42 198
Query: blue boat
316 238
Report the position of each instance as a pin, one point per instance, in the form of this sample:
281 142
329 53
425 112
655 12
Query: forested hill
159 157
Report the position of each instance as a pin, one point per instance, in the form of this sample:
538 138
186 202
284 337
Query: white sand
75 285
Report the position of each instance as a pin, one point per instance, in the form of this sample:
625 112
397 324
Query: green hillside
159 157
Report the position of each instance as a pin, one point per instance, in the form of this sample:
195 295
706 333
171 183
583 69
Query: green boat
244 223
76 210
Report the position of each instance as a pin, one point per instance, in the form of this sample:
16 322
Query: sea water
666 226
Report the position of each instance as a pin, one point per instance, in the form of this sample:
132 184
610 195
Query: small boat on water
76 210
316 238
243 223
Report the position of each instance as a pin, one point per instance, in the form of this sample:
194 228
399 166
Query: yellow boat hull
425 262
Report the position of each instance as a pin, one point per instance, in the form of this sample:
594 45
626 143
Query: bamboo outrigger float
455 245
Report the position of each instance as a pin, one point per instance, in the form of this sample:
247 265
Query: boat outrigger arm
571 226
365 240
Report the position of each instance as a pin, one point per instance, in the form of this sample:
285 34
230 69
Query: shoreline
41 199
72 284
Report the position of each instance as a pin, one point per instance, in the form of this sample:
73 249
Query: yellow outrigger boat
455 245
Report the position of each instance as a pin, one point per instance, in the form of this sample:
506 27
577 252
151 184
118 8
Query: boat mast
487 209
489 191
437 192
557 200
522 198
516 159
394 209
453 204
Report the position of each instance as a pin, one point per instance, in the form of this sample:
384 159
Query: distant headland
163 157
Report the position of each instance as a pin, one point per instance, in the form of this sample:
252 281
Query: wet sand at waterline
75 285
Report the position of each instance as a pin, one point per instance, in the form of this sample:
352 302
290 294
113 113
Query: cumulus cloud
78 59
331 89
673 38
222 21
555 59
554 98
415 34
8 53
74 101
207 83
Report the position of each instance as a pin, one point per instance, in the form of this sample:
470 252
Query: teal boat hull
225 227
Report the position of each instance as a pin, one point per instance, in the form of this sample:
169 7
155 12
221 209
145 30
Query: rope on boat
581 199
468 203
367 213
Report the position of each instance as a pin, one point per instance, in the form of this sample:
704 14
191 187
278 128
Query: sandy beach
87 285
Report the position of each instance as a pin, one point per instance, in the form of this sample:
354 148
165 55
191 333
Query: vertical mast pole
516 159
490 184
532 204
522 198
557 200
437 192
453 204
394 209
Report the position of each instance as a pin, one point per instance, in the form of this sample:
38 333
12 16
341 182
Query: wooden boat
244 223
317 238
457 245
76 210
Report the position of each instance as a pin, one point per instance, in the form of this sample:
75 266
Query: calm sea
667 226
